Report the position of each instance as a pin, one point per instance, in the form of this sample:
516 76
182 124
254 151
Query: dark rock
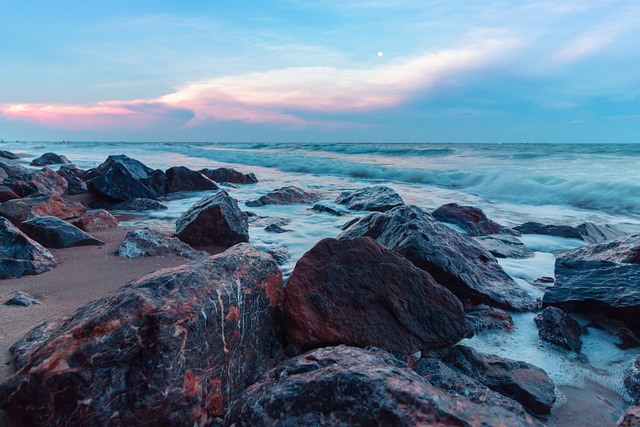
52 232
12 168
632 379
8 155
229 175
154 179
275 228
136 205
23 349
50 159
471 219
347 386
44 182
96 221
502 246
453 259
377 198
19 255
589 232
548 230
154 242
357 292
594 233
490 319
117 184
280 254
7 194
20 210
180 178
267 221
22 299
327 209
73 175
520 381
3 174
285 196
557 327
173 348
214 220
627 339
458 384
600 278
544 280
630 417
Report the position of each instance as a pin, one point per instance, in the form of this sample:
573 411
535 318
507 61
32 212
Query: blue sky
450 71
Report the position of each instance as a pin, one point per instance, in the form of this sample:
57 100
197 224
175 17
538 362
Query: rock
214 220
326 209
632 379
22 299
153 179
73 175
44 182
229 175
357 292
490 319
594 233
280 254
377 198
117 184
52 232
285 196
600 278
22 350
566 231
630 417
502 246
557 327
275 228
12 168
453 259
180 178
50 159
19 255
174 347
8 155
136 205
96 221
589 232
471 219
154 242
520 381
3 174
347 386
20 210
456 383
267 221
7 194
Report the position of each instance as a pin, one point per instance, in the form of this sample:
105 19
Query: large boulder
153 179
96 221
471 219
44 182
589 232
557 327
520 381
20 255
377 198
19 210
174 347
7 194
600 278
180 178
117 184
348 386
229 175
285 196
8 155
50 159
357 292
11 167
453 259
52 232
214 220
73 175
154 241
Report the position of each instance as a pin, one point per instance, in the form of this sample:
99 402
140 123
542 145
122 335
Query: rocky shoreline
364 332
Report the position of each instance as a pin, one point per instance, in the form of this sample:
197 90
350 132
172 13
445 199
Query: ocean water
513 183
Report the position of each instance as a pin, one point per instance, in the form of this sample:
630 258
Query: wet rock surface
557 327
453 259
327 209
344 386
229 175
503 246
49 159
7 194
358 292
377 198
8 155
285 196
214 220
172 348
73 175
471 219
180 178
52 232
11 167
19 210
490 319
20 255
589 232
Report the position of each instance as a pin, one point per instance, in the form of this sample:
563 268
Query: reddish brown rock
173 348
96 221
180 178
19 255
471 219
214 220
7 194
357 292
44 182
19 210
229 175
285 196
347 386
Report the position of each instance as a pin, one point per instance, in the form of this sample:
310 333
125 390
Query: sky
320 71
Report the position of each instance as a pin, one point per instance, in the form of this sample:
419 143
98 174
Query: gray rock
20 255
557 327
52 232
502 246
22 299
377 198
285 196
154 241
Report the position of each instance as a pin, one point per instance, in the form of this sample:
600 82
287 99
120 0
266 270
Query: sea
512 183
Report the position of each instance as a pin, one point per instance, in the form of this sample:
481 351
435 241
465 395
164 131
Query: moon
379 53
